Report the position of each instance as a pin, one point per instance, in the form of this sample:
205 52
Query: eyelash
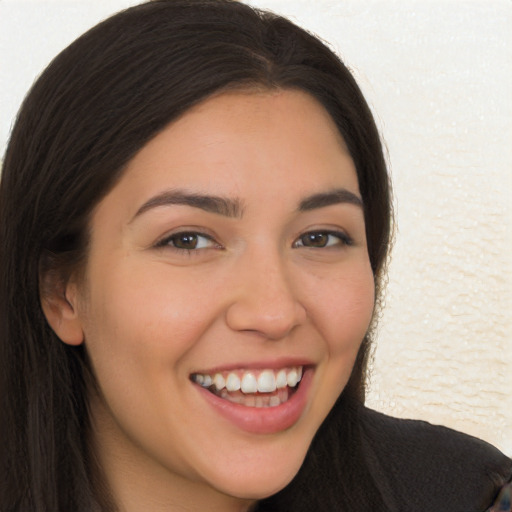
170 241
324 236
344 239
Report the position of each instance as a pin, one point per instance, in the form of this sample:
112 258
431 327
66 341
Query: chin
261 479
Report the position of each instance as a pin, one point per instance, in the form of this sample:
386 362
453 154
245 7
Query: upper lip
267 364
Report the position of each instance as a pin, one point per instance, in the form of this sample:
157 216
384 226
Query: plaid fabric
504 500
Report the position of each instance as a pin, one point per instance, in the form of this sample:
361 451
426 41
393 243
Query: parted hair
94 107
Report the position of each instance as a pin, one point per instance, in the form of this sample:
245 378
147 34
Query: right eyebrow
323 199
227 207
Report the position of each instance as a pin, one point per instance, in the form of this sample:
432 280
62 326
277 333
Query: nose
265 301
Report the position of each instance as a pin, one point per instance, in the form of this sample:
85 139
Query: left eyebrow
323 199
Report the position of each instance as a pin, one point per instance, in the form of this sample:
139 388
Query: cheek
142 329
149 310
139 327
343 310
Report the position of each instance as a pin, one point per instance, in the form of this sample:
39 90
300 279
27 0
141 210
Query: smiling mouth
252 388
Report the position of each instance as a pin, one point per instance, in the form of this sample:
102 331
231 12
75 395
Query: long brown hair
98 103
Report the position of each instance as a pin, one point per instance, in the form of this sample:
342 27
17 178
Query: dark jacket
419 467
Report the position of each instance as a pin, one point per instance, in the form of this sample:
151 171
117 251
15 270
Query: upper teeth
265 381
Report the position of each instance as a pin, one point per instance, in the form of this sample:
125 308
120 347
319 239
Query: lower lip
264 420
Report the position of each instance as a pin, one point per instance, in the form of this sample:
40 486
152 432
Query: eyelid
164 242
345 239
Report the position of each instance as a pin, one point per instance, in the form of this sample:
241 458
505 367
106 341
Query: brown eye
188 241
314 239
322 239
185 241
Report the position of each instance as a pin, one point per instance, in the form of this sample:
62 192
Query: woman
195 216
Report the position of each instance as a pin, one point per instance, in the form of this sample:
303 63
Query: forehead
266 145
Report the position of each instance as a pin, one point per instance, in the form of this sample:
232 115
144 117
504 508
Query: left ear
59 301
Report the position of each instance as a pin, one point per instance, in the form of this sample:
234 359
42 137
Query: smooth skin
260 275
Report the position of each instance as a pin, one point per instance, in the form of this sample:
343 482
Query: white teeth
218 381
249 383
267 382
292 378
281 381
233 382
264 381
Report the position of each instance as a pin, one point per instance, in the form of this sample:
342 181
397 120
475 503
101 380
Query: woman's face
231 252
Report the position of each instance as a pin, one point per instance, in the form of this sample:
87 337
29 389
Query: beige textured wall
438 75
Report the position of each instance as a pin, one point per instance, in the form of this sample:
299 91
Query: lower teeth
256 400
